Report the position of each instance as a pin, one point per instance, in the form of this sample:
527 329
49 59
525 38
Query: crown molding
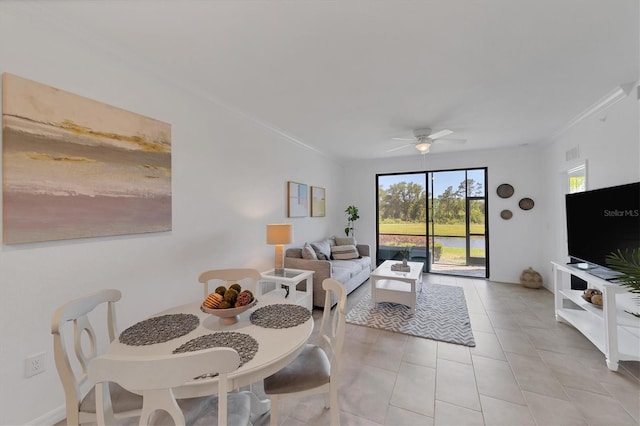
610 99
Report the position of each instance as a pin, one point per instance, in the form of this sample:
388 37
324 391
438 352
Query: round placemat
526 204
505 190
245 345
159 329
506 214
280 316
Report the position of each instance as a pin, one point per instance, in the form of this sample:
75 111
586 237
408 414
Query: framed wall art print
318 202
297 199
76 168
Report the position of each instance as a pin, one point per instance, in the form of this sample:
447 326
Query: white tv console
614 332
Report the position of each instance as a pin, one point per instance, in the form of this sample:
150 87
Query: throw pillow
344 252
346 241
322 249
308 252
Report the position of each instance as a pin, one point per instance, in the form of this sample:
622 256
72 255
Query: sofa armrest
364 249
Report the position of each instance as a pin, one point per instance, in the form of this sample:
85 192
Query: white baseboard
51 418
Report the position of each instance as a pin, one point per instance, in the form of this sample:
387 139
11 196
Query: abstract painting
298 199
318 202
76 168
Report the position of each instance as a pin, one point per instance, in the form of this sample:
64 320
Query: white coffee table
395 286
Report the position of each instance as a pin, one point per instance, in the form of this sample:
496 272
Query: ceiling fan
424 138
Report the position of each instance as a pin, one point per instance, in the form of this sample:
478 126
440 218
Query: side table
289 279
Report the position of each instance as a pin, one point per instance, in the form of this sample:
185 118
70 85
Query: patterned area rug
441 314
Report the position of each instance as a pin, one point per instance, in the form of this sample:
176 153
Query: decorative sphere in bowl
229 315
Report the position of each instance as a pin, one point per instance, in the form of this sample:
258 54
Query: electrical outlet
34 364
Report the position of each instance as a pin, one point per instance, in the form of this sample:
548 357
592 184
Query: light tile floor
527 369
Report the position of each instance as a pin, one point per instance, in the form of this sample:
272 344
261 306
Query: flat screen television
603 221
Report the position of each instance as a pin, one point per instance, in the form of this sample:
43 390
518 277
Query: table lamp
279 234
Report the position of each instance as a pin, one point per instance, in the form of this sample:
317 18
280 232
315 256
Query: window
578 178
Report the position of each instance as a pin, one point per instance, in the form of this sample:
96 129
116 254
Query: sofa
340 258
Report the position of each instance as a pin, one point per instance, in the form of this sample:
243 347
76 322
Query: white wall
229 181
513 243
609 142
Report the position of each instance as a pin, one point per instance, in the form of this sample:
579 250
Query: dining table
268 336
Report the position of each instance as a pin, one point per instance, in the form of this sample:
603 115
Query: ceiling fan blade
452 141
403 139
399 148
440 134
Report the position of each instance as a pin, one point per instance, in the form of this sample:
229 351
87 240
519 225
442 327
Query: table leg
373 292
413 295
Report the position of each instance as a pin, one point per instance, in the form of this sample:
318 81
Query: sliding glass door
457 222
438 218
402 217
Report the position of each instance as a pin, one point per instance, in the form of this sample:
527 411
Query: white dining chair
75 344
316 369
247 278
155 378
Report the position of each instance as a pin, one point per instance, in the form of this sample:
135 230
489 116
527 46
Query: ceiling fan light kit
423 146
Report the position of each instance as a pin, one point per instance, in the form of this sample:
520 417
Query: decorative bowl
506 214
505 190
590 302
230 315
526 204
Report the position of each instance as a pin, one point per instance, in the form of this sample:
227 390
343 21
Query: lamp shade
279 233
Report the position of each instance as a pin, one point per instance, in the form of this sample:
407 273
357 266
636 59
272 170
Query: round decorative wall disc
526 204
505 190
506 214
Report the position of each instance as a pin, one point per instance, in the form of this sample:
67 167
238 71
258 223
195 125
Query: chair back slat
82 327
332 328
230 276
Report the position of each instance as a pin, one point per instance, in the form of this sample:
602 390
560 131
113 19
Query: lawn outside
449 230
397 235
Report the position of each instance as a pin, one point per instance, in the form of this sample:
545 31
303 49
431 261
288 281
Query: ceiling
343 77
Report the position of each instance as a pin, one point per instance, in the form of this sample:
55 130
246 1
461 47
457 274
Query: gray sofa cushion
340 274
308 252
322 249
344 252
344 241
354 265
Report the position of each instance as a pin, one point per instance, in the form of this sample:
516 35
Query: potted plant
405 252
352 216
628 264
